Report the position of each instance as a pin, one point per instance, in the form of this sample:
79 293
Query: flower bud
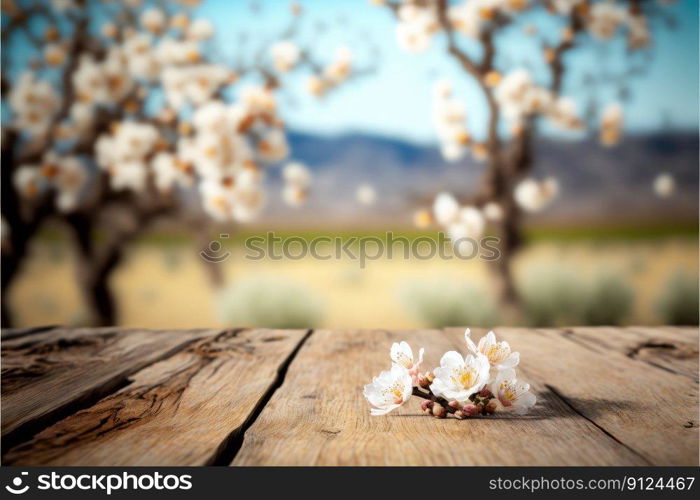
423 381
430 376
459 415
439 411
454 404
471 410
485 393
425 404
491 407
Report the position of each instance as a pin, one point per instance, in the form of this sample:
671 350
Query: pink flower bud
439 411
454 404
459 414
426 404
423 381
485 393
471 410
491 407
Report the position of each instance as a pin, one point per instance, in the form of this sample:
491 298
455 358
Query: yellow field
164 286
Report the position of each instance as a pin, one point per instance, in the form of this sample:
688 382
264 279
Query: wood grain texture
47 375
319 417
183 410
650 410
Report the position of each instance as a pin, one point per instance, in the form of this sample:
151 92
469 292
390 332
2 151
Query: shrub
440 303
552 296
678 302
608 301
269 303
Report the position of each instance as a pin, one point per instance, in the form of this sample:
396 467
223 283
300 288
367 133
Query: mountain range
596 183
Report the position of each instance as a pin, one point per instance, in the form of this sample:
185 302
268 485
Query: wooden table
606 396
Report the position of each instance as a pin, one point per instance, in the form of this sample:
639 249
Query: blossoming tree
518 99
115 114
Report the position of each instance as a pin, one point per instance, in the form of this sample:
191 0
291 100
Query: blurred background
617 245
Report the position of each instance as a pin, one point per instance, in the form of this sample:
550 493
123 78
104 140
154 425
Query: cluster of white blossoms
418 22
333 74
611 122
519 97
67 176
480 383
285 55
196 140
34 104
464 224
534 195
450 121
296 179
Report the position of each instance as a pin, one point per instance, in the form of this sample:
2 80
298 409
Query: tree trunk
95 265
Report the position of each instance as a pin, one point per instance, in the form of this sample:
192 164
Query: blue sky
395 100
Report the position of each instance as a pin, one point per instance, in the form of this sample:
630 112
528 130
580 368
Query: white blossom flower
366 194
446 209
129 176
339 69
513 394
402 354
34 103
249 201
416 27
69 181
611 122
54 54
413 37
200 29
153 20
273 146
389 390
604 19
285 55
466 230
499 354
563 112
458 378
296 174
294 196
169 172
493 211
533 196
28 180
564 7
664 185
638 35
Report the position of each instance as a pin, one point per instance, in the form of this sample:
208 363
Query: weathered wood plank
50 374
673 349
13 333
652 411
319 416
183 410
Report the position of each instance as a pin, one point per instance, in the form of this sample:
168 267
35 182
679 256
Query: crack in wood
231 445
27 431
573 407
677 351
